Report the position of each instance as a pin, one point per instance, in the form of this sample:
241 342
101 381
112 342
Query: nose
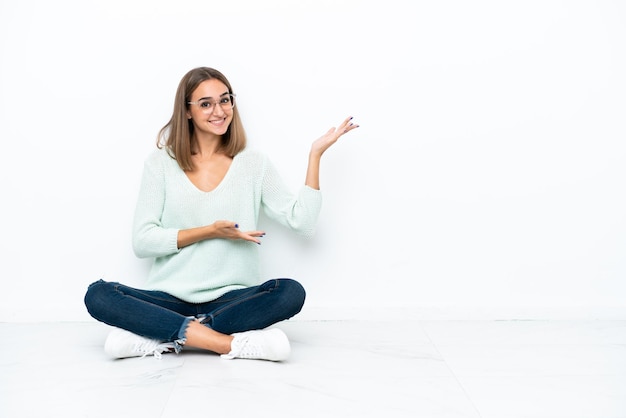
217 109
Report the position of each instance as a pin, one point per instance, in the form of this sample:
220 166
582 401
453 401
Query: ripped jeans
161 316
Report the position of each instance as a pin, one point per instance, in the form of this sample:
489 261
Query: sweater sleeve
297 212
150 237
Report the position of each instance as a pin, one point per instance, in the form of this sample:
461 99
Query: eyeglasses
227 102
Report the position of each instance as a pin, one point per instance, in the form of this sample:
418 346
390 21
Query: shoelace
243 350
152 347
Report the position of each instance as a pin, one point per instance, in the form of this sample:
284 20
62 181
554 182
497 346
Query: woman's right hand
230 230
218 229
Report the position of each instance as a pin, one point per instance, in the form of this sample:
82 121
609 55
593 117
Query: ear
188 115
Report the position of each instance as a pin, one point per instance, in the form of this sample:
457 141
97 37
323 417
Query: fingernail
236 225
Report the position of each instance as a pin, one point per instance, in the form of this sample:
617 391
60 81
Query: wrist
315 157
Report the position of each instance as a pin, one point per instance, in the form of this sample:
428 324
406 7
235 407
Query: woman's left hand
324 142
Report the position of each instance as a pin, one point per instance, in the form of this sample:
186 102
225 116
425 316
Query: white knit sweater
168 201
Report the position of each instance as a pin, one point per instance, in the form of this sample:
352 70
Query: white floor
433 369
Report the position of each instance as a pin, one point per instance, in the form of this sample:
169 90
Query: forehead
209 88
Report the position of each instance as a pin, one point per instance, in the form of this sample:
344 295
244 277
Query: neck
206 146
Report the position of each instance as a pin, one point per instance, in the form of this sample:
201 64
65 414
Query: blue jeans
161 316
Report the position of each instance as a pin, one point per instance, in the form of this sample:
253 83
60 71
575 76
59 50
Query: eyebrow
206 98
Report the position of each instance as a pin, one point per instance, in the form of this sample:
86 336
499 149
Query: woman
199 201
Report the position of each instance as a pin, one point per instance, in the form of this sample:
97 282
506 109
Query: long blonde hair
177 134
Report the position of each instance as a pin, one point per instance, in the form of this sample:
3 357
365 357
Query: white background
486 179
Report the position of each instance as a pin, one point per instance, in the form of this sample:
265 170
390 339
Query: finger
341 126
346 121
252 238
256 233
349 126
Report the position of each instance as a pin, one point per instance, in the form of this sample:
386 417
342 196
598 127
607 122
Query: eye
205 104
225 100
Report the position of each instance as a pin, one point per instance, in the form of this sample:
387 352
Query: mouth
218 122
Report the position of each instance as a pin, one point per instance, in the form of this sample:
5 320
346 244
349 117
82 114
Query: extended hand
230 230
331 136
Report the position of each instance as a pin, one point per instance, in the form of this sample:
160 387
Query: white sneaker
271 344
122 344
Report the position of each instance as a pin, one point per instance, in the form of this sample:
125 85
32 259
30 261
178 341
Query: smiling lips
218 122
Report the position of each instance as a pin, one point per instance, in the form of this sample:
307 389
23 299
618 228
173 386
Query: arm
320 146
300 212
149 236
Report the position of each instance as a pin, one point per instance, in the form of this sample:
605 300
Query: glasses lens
206 106
228 102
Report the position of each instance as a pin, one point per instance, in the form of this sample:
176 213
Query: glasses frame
213 104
